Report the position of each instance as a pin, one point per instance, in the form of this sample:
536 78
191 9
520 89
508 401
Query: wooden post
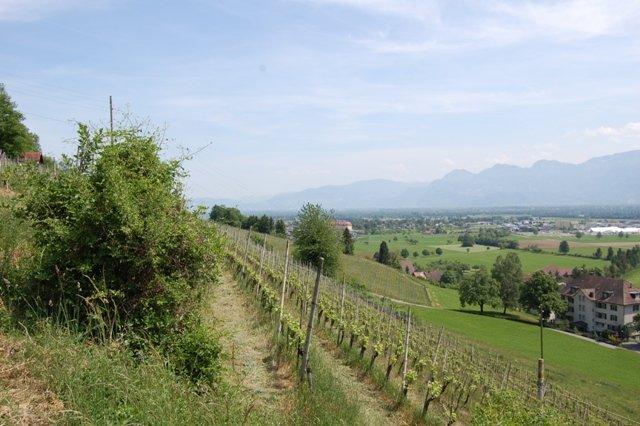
307 343
284 286
540 382
406 354
341 329
264 247
246 251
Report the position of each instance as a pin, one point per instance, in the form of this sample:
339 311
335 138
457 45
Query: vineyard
435 372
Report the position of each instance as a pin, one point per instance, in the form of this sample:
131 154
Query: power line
16 79
69 120
57 100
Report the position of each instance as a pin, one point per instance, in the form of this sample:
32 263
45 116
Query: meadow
477 255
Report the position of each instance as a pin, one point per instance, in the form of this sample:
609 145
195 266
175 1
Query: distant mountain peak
599 181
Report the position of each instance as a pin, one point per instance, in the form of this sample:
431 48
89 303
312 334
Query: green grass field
477 255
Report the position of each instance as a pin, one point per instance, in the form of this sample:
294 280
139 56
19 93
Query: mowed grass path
477 255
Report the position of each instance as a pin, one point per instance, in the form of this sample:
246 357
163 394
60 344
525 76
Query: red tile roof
33 156
603 289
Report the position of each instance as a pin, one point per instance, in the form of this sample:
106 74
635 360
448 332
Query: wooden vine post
264 248
246 251
405 385
284 287
341 329
304 365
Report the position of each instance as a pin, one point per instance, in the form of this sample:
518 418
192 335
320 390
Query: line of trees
495 237
504 285
234 217
623 260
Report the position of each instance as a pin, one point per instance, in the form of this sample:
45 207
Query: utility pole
111 118
314 303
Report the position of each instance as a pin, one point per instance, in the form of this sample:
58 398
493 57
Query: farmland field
477 255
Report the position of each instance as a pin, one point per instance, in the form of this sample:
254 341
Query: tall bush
117 250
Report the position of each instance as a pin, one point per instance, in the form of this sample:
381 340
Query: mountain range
612 179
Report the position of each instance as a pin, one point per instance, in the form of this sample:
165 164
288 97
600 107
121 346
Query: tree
264 224
347 242
564 247
636 322
250 222
507 271
425 252
467 240
15 137
280 228
449 278
579 234
404 253
416 254
478 289
541 293
227 215
598 253
438 251
314 237
383 253
610 253
620 234
599 235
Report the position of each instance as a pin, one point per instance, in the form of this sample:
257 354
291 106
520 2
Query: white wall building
600 303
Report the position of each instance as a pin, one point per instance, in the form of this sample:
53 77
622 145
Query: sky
278 96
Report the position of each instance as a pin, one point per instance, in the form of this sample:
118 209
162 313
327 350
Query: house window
613 317
613 307
601 305
599 324
601 315
636 308
611 327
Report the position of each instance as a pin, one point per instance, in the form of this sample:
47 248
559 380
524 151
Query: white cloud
495 23
32 10
574 19
629 130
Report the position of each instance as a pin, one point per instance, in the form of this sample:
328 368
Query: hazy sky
301 93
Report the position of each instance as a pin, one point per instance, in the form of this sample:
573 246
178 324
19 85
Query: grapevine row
440 368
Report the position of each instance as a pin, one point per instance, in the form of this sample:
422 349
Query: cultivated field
599 373
477 255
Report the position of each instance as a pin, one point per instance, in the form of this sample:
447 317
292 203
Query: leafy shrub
194 354
117 251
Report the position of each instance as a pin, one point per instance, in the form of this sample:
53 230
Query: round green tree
314 237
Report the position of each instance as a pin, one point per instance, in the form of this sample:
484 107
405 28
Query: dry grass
23 399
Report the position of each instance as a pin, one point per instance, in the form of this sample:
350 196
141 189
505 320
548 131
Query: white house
600 303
